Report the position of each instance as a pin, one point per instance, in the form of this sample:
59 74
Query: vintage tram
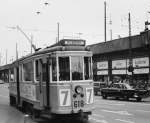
56 81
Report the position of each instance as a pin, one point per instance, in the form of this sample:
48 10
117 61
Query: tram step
46 116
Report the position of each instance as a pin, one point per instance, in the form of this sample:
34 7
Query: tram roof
62 45
5 67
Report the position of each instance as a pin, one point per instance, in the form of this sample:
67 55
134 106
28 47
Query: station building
4 73
111 60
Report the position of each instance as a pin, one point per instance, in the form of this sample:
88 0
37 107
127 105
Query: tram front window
54 69
64 69
77 68
87 68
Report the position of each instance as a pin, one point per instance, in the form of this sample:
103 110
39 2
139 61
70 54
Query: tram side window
44 72
54 69
77 68
37 71
28 71
87 68
37 74
64 69
12 75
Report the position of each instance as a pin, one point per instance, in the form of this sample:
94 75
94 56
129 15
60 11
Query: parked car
98 86
1 82
123 90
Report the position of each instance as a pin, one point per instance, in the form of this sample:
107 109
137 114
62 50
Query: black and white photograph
75 61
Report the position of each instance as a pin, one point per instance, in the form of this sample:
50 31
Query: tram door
18 90
43 67
40 71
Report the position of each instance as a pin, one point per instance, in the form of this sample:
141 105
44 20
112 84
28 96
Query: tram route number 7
64 97
89 95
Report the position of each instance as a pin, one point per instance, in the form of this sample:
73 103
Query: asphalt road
106 111
120 111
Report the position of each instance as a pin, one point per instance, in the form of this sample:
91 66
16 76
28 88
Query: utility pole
16 51
130 68
110 22
6 56
57 32
130 43
31 42
105 19
0 59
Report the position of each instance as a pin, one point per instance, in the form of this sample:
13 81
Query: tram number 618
78 103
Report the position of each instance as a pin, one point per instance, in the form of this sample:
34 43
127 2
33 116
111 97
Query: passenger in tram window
12 77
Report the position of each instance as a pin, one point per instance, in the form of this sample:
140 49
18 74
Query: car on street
123 90
98 86
1 82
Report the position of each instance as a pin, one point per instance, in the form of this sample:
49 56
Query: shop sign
141 71
103 72
119 72
118 64
102 65
141 62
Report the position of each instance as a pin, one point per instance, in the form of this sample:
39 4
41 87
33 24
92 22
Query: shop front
141 72
119 70
101 72
112 60
140 75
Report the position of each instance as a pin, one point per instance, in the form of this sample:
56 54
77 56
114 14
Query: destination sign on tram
73 42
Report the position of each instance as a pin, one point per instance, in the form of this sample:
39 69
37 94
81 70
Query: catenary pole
105 20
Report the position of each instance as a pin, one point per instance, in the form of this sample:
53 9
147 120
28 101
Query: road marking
118 112
143 111
137 103
110 102
96 100
125 121
97 115
113 104
99 121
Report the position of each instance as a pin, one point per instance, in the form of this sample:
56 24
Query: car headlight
135 95
78 89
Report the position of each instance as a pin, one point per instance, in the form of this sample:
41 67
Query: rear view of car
98 87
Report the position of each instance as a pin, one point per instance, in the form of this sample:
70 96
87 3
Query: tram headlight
78 89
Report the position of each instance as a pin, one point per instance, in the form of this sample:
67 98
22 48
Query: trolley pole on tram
58 32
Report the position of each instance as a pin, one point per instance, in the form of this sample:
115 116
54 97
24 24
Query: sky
77 19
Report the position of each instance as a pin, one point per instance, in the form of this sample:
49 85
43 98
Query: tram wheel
139 99
104 96
36 113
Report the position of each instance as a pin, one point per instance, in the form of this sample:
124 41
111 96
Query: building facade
111 60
